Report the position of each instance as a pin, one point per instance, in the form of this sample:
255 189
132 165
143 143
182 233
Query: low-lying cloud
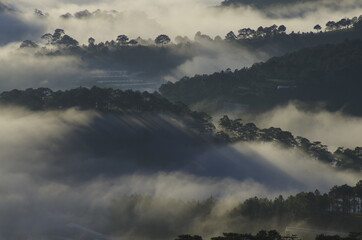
31 68
21 69
52 174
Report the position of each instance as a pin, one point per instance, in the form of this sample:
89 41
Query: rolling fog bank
72 166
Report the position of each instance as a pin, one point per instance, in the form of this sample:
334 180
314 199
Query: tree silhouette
122 40
57 35
331 25
162 39
133 42
230 36
282 29
317 27
91 41
28 44
47 37
68 41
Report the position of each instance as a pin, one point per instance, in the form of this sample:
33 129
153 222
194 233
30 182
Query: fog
51 175
216 56
21 69
334 129
14 28
32 68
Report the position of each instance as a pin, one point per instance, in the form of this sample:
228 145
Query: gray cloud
14 28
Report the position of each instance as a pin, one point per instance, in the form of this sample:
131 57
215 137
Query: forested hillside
238 131
327 73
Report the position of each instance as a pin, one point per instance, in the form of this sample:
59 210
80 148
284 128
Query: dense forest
327 73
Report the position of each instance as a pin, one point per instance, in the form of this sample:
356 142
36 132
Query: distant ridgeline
131 102
101 99
105 100
275 39
326 73
122 53
262 3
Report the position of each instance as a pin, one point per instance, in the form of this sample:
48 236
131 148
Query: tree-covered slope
239 131
105 100
328 73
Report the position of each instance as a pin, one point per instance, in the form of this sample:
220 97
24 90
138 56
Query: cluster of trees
351 236
343 23
269 235
261 235
235 130
123 40
261 32
60 38
339 201
275 31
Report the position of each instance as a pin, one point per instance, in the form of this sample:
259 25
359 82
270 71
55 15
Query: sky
150 18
